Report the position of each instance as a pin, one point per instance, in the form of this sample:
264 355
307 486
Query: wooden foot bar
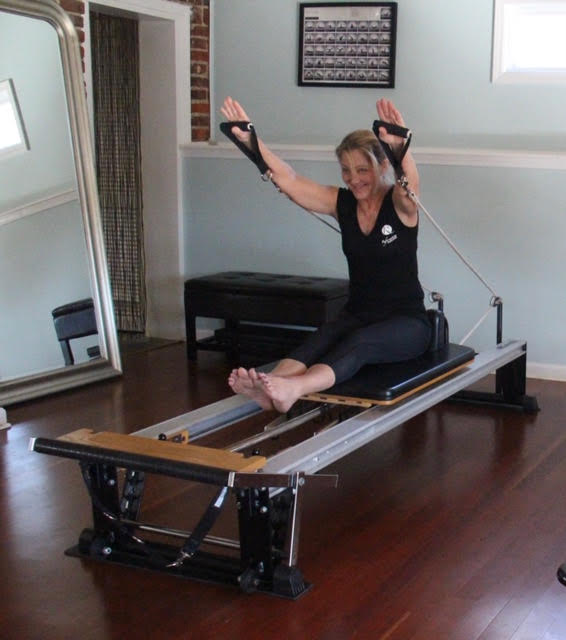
188 453
189 462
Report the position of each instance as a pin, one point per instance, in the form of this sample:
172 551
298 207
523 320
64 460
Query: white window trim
22 146
498 74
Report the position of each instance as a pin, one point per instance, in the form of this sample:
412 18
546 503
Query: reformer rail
314 454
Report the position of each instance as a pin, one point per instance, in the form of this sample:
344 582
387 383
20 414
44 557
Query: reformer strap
193 542
107 513
254 153
85 468
395 130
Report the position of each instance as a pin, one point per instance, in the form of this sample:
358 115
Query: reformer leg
191 334
269 530
510 389
102 483
233 332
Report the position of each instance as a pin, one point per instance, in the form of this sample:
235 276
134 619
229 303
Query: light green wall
29 55
511 223
442 85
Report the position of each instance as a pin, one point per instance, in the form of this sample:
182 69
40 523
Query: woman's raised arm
305 192
405 206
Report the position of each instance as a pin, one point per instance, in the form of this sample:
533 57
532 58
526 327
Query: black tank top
383 264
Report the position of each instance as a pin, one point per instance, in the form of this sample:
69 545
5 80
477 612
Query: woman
384 319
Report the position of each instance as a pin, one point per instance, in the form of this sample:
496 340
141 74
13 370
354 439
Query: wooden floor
451 527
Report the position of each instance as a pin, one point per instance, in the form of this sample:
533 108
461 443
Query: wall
504 210
48 167
200 72
45 257
442 80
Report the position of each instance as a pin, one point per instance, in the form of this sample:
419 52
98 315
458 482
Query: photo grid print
348 45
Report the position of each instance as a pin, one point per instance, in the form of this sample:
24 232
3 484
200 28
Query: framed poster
346 44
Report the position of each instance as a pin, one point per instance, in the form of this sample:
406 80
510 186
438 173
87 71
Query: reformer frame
268 491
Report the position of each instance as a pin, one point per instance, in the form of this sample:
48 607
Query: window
529 41
12 132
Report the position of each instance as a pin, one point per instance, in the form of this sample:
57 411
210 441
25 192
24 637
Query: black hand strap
254 153
395 130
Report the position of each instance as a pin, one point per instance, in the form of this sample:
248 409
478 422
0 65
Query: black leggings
348 343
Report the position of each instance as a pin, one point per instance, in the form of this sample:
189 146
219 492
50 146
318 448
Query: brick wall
200 79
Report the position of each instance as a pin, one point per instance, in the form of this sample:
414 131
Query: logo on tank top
387 231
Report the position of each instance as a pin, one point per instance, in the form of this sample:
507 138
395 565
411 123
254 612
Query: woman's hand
387 112
404 204
233 111
305 192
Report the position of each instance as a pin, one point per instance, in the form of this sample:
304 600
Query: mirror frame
109 364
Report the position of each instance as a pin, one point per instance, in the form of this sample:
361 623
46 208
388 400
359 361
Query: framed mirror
57 325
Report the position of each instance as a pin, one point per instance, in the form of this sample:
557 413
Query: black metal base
527 404
286 582
561 574
510 389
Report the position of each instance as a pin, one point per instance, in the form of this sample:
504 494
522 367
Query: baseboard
4 424
546 371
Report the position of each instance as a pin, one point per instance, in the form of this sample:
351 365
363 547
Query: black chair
75 320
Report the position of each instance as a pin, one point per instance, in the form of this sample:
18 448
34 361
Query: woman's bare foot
248 383
283 392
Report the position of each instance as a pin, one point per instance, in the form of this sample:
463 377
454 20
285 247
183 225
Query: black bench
248 301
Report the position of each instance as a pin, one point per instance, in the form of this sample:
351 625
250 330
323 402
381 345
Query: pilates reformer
269 489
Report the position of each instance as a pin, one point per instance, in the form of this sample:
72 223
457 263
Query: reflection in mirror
56 321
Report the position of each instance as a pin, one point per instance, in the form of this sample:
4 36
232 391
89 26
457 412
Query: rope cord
323 221
450 243
473 329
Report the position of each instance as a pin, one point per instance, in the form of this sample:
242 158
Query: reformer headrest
439 336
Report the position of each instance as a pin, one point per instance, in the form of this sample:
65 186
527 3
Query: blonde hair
365 141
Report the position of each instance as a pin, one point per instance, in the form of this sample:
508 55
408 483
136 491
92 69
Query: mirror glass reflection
53 282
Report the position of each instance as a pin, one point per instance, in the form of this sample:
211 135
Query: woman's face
359 174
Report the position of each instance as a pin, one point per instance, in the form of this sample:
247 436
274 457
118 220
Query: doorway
164 104
116 99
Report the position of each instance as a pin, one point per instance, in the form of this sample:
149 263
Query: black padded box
250 297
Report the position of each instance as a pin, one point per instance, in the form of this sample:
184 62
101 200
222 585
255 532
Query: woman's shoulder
345 197
346 205
388 198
